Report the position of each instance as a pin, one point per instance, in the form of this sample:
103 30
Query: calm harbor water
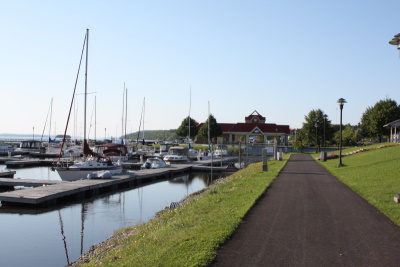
58 235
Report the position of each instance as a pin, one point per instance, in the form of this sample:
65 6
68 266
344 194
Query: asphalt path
309 218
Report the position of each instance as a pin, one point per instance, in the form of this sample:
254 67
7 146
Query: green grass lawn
191 234
374 174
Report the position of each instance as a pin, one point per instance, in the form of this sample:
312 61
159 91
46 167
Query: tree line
189 128
318 129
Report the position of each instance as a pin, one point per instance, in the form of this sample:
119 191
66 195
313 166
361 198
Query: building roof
395 123
250 127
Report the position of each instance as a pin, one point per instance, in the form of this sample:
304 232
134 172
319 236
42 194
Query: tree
366 124
215 129
373 119
317 128
349 135
183 130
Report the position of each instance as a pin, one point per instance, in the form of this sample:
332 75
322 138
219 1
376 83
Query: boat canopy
111 149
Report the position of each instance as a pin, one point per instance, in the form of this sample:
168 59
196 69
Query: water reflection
58 235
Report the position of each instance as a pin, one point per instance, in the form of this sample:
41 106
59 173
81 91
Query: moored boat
177 154
154 163
81 170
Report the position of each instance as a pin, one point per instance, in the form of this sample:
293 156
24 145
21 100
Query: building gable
254 117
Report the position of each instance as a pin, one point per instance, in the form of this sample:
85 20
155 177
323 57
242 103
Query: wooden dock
14 163
7 174
48 192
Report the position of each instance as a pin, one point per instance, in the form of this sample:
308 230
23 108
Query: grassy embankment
191 234
373 174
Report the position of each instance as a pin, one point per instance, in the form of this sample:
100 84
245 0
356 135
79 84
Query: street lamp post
316 135
341 102
325 116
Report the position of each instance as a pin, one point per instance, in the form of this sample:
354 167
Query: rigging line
144 110
41 139
73 97
91 118
140 125
51 113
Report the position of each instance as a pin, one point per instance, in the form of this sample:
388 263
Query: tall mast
86 68
95 119
51 112
126 110
208 122
190 106
123 113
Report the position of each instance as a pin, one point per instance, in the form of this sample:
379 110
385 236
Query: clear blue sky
281 58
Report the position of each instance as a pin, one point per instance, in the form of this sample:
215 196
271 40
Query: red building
254 129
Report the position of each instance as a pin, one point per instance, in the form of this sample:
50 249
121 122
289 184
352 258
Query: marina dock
46 192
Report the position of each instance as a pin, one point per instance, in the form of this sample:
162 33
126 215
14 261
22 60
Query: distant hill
168 135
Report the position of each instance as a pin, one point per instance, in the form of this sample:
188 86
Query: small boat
205 155
177 154
154 163
81 170
221 151
164 148
193 153
6 148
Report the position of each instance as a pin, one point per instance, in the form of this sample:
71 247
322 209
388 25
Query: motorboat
6 148
164 148
154 163
205 155
177 154
81 170
221 151
193 153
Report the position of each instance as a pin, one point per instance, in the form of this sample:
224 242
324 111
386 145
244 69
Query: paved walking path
309 218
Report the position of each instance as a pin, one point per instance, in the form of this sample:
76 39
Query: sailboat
93 164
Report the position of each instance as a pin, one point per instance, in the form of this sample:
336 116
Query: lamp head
341 101
396 41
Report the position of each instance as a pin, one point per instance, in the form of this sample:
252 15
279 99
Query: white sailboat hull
81 170
73 174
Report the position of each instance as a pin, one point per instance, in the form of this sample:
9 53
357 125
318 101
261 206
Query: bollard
264 160
323 156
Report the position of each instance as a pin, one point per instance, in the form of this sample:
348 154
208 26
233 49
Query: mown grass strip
191 234
374 175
